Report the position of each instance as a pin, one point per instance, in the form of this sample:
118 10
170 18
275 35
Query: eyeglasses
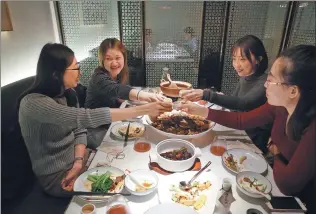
73 69
276 83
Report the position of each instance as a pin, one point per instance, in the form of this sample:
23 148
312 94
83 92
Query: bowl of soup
174 92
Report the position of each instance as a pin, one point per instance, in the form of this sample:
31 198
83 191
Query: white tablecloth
134 160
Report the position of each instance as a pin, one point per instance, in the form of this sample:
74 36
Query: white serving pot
174 144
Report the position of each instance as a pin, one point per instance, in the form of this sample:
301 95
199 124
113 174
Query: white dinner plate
165 195
252 175
115 130
170 208
80 181
254 162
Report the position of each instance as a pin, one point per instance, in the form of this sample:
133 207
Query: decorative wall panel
132 34
173 40
252 18
209 72
304 28
85 24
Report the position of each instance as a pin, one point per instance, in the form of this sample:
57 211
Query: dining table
136 160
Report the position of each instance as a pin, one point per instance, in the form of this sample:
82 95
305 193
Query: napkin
240 145
111 146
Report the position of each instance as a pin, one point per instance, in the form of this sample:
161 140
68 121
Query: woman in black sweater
108 84
250 62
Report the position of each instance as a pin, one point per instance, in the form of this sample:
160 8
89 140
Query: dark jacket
102 91
248 95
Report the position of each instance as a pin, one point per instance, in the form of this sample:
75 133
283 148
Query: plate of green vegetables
100 179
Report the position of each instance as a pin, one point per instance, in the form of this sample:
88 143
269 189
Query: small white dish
141 175
170 208
243 187
123 125
253 162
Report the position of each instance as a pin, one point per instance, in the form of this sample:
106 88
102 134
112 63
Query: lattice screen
85 24
209 73
303 31
251 18
132 30
167 21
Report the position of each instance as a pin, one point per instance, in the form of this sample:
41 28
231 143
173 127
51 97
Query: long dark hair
51 66
117 44
252 44
300 71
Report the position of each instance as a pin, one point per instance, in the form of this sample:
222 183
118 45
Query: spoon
186 186
135 181
266 195
172 84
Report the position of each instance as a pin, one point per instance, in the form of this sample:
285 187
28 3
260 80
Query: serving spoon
186 186
266 195
172 84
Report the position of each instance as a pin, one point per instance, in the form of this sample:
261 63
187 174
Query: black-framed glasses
73 69
276 83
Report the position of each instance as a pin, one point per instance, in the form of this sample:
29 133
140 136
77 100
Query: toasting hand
150 97
192 94
195 109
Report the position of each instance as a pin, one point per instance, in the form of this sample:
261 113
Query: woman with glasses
291 107
108 84
250 61
54 133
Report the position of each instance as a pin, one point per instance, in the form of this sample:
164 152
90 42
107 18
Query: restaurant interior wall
84 25
304 26
20 48
218 25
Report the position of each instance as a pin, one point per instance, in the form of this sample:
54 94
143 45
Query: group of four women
279 105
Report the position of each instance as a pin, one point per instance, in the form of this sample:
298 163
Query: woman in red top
291 106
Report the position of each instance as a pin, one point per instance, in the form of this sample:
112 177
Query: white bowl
174 165
171 135
252 175
141 175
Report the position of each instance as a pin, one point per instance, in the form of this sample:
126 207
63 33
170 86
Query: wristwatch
78 158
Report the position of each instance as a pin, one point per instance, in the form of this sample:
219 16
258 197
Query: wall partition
84 25
193 39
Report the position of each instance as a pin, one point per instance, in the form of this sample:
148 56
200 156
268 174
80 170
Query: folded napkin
240 145
109 145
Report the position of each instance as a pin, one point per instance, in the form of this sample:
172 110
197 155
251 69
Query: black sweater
248 95
102 91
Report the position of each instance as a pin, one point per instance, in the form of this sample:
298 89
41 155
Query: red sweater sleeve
243 120
294 176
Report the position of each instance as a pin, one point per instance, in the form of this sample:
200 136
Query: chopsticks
95 193
126 135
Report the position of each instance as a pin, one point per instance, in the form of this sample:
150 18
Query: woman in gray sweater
250 61
54 133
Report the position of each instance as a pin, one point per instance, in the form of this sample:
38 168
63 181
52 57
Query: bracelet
138 93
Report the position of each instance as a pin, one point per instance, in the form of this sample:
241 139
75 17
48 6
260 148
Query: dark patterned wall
209 72
250 18
303 31
85 24
167 21
132 33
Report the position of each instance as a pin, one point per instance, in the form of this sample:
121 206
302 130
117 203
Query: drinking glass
218 147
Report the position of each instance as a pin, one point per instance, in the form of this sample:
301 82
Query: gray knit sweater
51 130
